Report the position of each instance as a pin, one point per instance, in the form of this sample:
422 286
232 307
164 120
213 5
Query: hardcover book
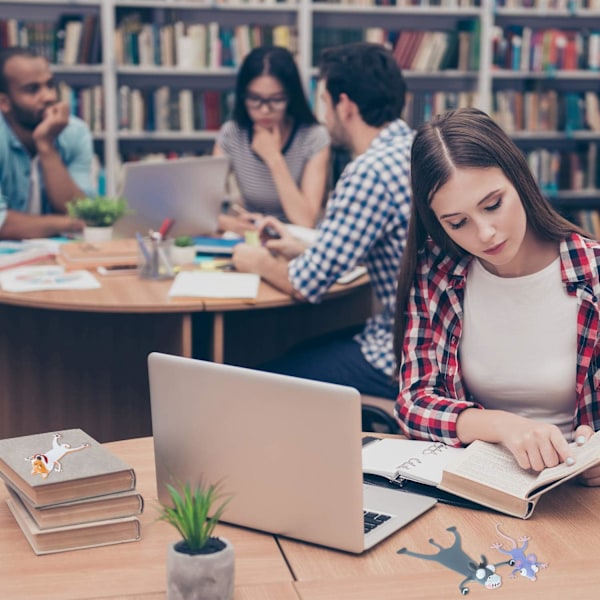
75 537
50 468
83 255
111 506
484 473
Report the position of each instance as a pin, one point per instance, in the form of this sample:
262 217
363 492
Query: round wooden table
77 358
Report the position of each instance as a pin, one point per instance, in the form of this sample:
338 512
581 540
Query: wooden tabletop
131 294
136 569
563 532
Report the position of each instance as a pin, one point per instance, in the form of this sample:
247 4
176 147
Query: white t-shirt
518 350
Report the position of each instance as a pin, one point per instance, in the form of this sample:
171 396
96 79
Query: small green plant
184 241
98 211
190 513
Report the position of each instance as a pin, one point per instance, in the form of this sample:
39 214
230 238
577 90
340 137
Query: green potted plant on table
183 251
200 566
99 213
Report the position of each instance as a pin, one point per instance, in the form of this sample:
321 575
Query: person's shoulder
77 125
76 133
581 250
434 262
315 133
231 133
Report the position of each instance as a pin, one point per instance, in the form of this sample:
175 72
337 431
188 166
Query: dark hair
5 55
370 77
278 63
464 138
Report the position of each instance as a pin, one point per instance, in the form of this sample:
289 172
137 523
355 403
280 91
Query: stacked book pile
66 491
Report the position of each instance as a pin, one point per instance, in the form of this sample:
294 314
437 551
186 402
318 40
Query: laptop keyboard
373 519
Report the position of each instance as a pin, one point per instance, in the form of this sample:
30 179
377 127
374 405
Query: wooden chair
378 415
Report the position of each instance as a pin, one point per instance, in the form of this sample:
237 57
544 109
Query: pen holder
154 258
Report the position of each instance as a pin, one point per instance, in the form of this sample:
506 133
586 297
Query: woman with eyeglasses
278 152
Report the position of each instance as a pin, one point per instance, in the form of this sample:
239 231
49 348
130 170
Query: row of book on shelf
67 491
71 39
414 50
169 109
547 111
521 48
194 45
574 170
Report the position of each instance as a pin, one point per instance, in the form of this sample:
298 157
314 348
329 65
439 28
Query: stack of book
67 492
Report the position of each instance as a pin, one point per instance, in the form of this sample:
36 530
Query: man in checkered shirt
365 221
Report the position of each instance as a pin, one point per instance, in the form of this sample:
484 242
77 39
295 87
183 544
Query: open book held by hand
484 473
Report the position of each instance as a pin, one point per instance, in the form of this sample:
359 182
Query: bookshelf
142 93
545 82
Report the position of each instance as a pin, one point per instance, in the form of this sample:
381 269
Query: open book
484 473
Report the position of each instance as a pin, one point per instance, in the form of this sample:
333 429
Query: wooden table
563 530
77 358
136 569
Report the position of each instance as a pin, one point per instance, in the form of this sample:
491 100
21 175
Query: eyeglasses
275 103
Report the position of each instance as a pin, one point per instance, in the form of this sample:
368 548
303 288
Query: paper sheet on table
203 284
37 278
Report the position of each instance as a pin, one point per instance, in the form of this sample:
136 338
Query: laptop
287 449
189 190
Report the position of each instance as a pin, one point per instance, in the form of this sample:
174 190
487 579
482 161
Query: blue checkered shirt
366 223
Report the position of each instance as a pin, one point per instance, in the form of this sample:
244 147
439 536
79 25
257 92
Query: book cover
83 255
75 537
49 468
111 506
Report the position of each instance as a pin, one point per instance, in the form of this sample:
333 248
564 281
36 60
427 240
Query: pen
142 246
166 226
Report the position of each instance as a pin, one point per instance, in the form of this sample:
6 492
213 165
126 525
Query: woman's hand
237 223
535 445
267 143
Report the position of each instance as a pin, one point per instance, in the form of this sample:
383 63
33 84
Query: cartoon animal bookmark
44 463
455 558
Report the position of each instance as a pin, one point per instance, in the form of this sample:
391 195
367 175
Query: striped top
254 176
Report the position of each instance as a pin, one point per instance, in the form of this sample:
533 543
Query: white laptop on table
188 190
288 450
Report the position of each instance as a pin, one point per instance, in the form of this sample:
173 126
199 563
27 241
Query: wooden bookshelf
132 75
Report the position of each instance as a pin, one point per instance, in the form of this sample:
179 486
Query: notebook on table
287 449
189 190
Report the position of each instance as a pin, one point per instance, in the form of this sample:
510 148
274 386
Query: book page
493 465
416 460
585 456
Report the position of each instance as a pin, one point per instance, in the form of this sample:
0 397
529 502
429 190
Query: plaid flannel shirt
366 221
432 391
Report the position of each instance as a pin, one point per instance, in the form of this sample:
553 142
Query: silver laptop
287 449
188 190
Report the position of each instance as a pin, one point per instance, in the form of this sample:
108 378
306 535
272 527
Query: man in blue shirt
45 155
365 220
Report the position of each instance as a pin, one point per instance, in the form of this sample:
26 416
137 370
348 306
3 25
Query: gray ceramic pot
200 576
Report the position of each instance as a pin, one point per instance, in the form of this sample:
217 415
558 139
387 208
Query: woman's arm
301 204
534 445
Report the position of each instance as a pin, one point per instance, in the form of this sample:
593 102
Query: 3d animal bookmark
455 558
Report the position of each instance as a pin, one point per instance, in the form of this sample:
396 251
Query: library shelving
545 80
156 76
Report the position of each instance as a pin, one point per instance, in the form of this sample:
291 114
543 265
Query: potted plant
183 250
99 214
200 565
